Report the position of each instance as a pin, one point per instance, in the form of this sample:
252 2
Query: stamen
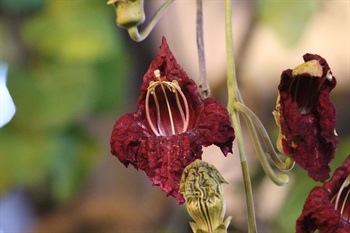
184 114
157 74
159 122
151 91
186 119
179 105
344 201
344 204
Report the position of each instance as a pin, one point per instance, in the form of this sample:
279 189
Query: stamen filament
147 111
159 123
344 203
344 185
180 109
157 74
187 116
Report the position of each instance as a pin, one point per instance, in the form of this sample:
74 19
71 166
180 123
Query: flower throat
168 112
306 84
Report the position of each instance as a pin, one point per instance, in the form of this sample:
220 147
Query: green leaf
73 158
112 84
72 31
25 157
52 96
21 5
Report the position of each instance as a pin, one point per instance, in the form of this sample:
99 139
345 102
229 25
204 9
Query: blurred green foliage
22 5
67 64
287 18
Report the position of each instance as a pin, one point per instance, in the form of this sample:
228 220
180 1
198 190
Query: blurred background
72 73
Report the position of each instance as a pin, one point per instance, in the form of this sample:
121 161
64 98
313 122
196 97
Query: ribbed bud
201 185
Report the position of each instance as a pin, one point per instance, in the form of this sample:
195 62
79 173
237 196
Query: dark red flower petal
220 133
318 213
307 116
164 159
126 138
171 125
319 209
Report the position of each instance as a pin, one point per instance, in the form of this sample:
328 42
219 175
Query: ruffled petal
214 126
319 210
164 159
125 139
307 116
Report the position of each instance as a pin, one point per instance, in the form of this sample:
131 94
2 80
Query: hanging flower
306 116
327 208
170 126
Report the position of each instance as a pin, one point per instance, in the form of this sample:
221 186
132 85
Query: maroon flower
306 116
171 125
327 208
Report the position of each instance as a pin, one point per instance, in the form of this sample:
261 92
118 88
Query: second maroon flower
306 116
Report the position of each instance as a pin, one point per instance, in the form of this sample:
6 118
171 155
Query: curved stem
284 166
140 36
279 180
232 98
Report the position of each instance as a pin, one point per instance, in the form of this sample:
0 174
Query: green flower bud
129 13
201 185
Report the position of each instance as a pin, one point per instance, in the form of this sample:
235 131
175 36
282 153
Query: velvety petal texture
307 116
319 210
170 126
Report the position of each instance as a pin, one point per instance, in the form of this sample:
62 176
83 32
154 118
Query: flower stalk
203 79
233 96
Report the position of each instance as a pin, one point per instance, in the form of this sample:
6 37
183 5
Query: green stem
233 96
140 36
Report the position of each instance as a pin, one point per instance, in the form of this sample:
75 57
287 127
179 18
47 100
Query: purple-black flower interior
305 90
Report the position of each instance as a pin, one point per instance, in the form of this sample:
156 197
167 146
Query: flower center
306 85
342 200
168 112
